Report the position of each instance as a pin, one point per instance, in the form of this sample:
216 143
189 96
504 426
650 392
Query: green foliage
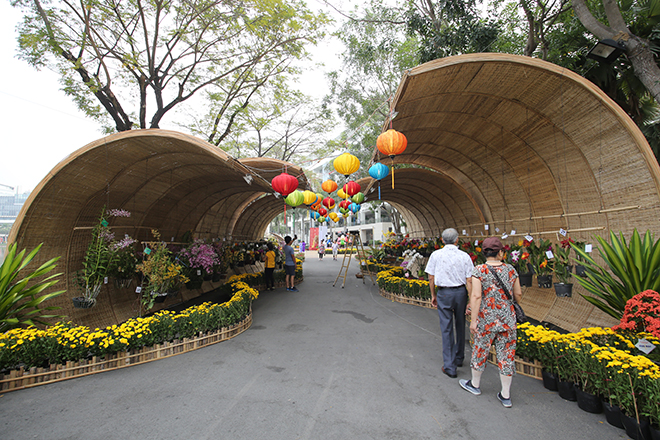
20 304
97 260
631 268
129 63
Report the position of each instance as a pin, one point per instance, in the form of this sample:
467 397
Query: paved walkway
322 363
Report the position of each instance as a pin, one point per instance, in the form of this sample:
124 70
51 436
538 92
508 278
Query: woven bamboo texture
21 379
167 180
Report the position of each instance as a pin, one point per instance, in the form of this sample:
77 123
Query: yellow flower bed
68 342
393 281
602 362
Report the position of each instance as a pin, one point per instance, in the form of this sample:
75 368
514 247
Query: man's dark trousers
451 308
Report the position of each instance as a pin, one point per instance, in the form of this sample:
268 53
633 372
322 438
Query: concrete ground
321 363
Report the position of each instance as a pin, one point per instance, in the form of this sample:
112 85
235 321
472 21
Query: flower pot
526 279
545 281
123 283
159 297
173 294
566 390
580 271
613 415
549 380
655 432
634 430
207 276
564 290
588 402
81 302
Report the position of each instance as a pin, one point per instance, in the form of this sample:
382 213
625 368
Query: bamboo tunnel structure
496 144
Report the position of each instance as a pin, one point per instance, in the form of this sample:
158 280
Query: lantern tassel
379 190
392 173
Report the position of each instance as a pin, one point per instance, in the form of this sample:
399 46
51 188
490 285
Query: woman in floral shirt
493 318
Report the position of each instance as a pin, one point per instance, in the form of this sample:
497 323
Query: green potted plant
562 269
96 264
539 260
124 265
162 275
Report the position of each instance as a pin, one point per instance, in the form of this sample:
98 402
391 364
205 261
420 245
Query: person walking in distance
335 249
289 263
450 278
269 268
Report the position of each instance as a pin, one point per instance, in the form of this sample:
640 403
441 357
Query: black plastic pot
588 402
83 303
580 271
526 279
545 281
634 430
549 380
613 415
566 390
564 290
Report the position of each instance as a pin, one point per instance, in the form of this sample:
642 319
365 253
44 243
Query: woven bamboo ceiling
168 181
517 143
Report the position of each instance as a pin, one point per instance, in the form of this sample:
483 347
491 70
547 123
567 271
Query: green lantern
294 199
358 198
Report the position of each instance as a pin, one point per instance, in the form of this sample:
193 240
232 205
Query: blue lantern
354 207
314 215
378 171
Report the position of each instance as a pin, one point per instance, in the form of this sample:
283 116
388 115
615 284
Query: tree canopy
128 63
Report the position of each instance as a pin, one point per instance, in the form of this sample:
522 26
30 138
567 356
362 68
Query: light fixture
606 51
248 179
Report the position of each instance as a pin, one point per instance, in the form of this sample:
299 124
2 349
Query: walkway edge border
20 379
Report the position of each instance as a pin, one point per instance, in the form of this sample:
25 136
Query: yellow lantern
309 197
346 164
341 193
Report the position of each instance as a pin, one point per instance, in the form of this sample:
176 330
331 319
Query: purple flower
118 213
122 244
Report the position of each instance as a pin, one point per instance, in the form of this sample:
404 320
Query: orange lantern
329 186
392 143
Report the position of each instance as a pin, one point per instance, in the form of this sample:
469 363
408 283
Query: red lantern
351 188
284 184
344 204
329 202
323 212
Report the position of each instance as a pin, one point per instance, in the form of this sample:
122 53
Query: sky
41 126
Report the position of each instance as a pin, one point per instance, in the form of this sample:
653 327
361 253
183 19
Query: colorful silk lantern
334 217
351 188
329 202
379 171
344 204
329 186
392 143
314 215
345 215
343 210
358 198
354 208
321 219
323 212
294 199
341 194
284 184
346 164
310 197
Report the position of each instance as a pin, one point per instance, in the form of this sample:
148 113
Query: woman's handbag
520 313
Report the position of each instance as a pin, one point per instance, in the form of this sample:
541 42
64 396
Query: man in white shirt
450 275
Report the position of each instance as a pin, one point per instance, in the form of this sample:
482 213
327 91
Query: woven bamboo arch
167 180
533 148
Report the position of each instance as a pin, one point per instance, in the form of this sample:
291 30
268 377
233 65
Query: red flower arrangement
642 314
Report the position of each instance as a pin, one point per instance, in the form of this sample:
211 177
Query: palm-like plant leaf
631 268
20 303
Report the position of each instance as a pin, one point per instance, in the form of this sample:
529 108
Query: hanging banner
313 239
